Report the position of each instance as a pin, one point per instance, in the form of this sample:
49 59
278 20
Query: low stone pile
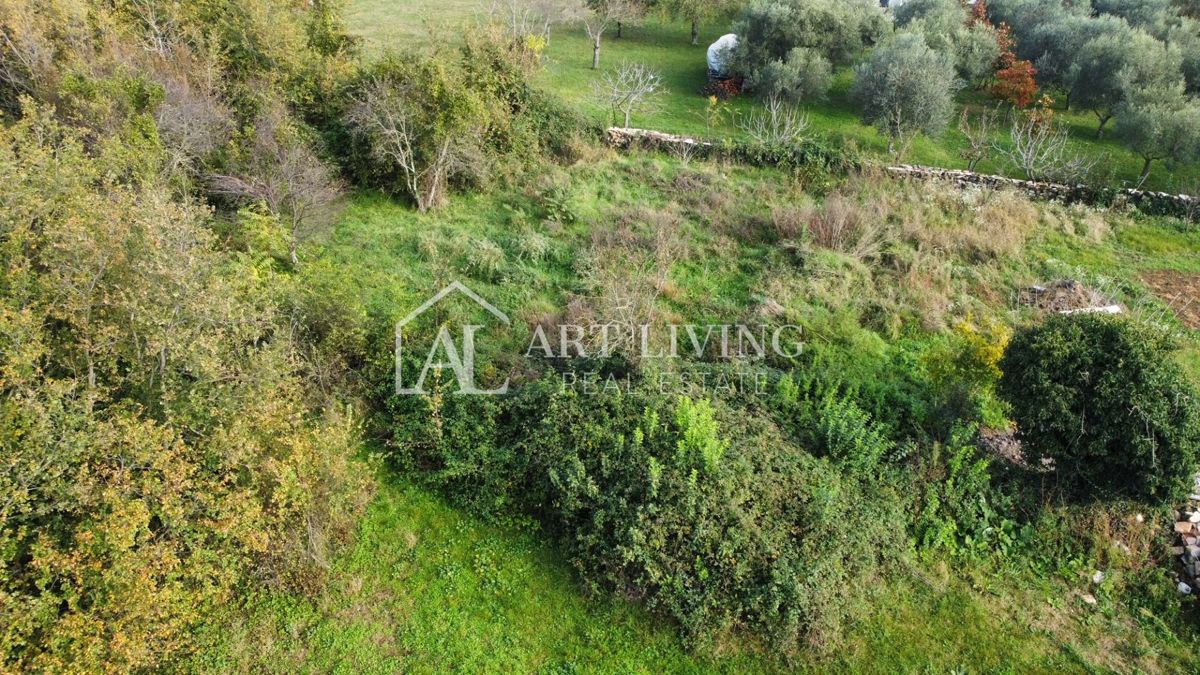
1187 528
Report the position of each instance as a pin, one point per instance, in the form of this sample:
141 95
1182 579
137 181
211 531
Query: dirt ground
1181 292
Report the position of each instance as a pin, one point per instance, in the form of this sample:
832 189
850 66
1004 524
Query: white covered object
720 53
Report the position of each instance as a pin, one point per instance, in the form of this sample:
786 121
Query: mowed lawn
666 45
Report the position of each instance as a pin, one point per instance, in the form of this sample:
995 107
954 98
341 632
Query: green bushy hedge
1103 399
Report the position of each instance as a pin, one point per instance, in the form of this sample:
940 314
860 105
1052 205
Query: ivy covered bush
1103 400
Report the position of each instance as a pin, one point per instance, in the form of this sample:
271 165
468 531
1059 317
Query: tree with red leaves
1015 81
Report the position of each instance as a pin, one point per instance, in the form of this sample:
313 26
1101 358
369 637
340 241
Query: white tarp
720 53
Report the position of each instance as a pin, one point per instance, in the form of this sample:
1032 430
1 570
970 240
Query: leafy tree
1016 83
976 50
1185 37
906 87
803 75
1160 125
1149 14
837 31
695 11
945 15
1101 397
1115 63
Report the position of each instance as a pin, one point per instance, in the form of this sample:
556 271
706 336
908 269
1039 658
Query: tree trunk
627 112
1067 102
1103 120
596 53
695 32
1145 171
619 26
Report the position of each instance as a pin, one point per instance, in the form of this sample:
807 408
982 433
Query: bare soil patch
1181 292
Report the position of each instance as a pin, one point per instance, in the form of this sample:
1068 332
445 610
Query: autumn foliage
1015 78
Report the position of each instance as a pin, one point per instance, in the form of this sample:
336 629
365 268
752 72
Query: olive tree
1186 38
834 30
1118 62
944 25
1055 46
1160 126
948 14
803 75
905 87
1148 14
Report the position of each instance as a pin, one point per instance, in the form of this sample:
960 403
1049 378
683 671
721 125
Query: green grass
428 587
667 46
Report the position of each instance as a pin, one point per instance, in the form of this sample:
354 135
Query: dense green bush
424 123
1102 398
707 514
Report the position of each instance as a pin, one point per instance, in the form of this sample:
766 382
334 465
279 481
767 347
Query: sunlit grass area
667 46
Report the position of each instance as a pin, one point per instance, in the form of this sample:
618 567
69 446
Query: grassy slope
430 588
666 46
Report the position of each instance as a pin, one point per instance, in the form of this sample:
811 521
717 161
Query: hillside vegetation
216 213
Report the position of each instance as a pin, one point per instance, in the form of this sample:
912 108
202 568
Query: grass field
430 588
427 589
666 46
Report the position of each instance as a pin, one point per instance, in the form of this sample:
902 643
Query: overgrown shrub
1101 398
707 515
158 453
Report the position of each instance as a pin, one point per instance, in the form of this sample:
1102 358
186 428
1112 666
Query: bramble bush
707 515
1103 399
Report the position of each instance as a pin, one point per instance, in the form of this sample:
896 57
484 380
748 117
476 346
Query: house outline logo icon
461 362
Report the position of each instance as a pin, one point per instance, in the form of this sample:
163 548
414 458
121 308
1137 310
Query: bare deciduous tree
633 86
979 136
602 14
1038 148
386 116
288 178
522 18
777 123
192 119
